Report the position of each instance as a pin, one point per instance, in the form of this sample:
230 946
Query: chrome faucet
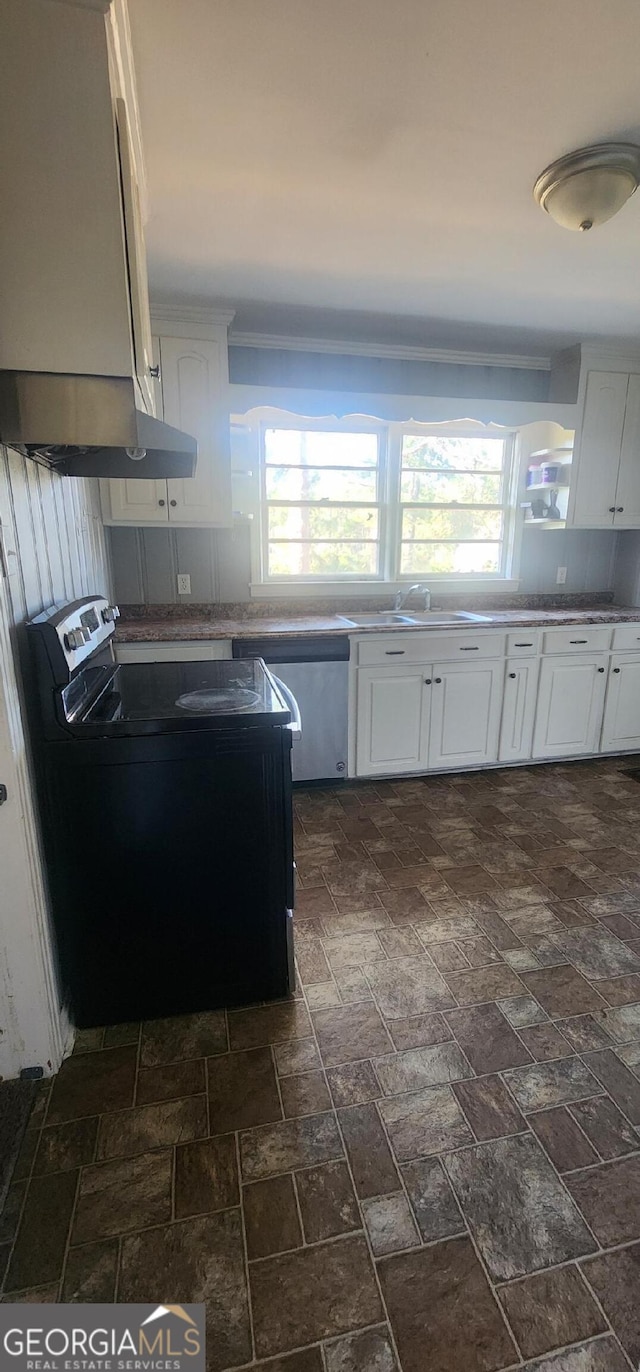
403 596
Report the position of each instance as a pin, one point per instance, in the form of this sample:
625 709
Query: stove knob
110 614
74 639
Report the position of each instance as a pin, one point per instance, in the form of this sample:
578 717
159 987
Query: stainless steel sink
449 617
391 619
382 618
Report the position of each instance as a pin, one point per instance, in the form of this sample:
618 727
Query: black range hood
90 426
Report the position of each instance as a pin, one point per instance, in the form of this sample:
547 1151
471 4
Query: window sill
321 590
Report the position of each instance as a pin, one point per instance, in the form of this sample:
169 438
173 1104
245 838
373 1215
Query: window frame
299 422
396 505
390 435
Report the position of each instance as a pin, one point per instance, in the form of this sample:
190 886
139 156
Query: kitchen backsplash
146 563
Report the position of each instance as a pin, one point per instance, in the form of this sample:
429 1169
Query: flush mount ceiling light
589 186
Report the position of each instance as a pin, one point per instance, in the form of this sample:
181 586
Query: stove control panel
73 633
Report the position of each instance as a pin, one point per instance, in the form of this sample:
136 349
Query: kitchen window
360 501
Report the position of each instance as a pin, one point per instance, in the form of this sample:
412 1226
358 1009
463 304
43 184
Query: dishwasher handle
295 727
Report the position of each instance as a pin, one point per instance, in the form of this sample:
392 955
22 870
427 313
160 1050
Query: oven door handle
295 727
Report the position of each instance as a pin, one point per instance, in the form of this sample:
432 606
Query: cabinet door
136 262
518 709
134 502
392 727
593 497
621 724
465 713
570 705
195 398
627 499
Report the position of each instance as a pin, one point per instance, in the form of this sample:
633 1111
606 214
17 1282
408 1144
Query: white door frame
34 1030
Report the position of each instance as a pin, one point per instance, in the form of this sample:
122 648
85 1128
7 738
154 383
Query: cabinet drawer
179 651
397 648
523 643
576 640
627 637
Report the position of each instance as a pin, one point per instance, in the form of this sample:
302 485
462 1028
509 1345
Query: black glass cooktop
170 695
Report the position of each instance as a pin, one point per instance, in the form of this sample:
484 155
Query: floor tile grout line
367 1238
605 1317
67 1245
245 1248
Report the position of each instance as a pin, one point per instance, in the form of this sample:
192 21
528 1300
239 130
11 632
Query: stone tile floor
430 1158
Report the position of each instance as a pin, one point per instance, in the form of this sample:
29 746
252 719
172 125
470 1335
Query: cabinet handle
438 680
173 502
427 681
616 670
394 652
578 640
512 675
612 509
523 645
162 502
601 669
155 371
620 509
470 650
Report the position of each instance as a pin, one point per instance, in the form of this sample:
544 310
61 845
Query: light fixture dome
589 186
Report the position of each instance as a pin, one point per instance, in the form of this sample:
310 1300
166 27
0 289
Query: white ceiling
370 156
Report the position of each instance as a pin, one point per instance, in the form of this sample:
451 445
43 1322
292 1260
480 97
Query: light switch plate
184 583
561 576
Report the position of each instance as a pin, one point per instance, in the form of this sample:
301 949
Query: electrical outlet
184 583
561 576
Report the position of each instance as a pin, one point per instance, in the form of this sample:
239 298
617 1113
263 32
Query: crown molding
194 321
398 351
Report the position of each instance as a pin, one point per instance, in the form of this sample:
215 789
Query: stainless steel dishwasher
317 672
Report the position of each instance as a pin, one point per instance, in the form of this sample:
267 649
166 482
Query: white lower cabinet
570 704
518 709
392 729
466 702
621 723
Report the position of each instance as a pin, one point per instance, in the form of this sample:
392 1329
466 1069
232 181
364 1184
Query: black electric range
165 794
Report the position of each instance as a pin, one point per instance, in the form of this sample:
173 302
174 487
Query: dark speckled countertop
176 628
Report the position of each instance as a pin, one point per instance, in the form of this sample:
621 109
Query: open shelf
554 452
550 486
547 523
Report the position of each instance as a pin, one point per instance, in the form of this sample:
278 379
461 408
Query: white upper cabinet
627 499
192 394
606 474
74 295
195 380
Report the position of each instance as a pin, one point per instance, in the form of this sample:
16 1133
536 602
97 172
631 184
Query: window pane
450 558
463 523
314 483
445 487
467 454
317 449
323 559
303 521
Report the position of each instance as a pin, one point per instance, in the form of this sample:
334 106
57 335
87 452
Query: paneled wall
52 533
53 549
146 563
587 554
627 569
